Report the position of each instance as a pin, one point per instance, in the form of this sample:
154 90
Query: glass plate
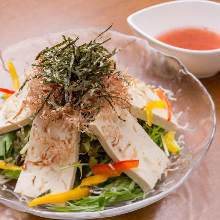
193 106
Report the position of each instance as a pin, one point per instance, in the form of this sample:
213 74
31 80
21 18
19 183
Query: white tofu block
127 140
141 95
15 112
55 140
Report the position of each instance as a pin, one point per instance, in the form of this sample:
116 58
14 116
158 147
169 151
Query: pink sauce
191 38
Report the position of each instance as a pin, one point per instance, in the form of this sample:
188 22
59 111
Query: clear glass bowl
193 106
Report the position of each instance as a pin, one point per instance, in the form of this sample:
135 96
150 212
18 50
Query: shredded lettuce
115 190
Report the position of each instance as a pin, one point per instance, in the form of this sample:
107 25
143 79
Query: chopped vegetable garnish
161 95
152 105
79 192
14 76
115 169
169 141
7 91
5 166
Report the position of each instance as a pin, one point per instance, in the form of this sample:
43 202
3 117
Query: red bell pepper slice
161 95
115 169
7 91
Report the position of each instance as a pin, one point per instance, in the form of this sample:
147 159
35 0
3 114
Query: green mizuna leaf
155 132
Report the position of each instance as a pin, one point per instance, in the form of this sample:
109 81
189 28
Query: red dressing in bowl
191 38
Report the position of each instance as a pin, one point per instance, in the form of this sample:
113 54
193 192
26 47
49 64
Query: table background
199 196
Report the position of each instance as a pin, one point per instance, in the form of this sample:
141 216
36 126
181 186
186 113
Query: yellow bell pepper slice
169 141
150 106
15 79
79 192
3 166
14 76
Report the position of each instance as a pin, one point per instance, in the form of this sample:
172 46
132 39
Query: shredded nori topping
76 69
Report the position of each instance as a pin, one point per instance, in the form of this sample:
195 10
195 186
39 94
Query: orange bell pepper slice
161 95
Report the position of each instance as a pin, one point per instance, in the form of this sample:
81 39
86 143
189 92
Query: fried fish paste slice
51 147
127 140
15 111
